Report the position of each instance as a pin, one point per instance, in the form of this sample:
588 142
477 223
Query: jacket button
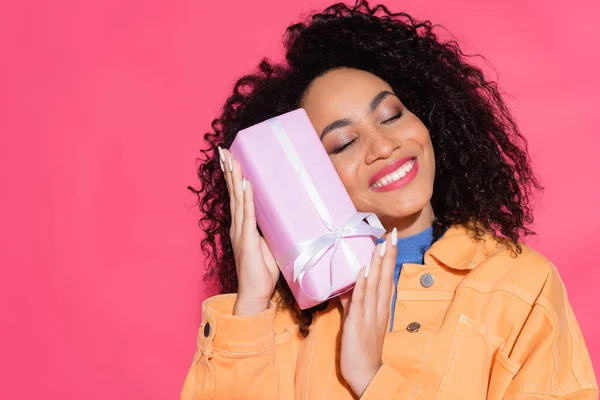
413 327
427 280
206 330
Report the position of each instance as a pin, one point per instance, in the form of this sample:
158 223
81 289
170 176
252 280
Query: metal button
427 280
413 327
206 330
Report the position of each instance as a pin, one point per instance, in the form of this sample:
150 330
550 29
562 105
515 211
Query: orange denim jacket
491 326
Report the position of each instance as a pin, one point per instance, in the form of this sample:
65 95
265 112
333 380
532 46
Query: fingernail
382 249
230 165
221 155
394 237
367 270
244 184
221 164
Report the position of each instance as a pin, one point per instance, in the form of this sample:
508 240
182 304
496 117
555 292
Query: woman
452 305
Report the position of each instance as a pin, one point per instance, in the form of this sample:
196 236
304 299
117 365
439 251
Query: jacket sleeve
548 361
239 357
551 351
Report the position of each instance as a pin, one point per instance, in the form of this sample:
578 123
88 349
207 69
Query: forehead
341 93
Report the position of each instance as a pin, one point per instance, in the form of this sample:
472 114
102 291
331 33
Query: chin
407 210
398 210
404 205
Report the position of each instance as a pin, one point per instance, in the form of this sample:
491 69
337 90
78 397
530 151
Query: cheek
348 174
431 156
432 164
424 140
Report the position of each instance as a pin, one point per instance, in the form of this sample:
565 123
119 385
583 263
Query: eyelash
395 117
340 149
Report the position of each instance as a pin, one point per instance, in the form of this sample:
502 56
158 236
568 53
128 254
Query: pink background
102 109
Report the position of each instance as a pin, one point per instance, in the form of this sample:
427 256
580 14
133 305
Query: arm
239 357
555 361
241 353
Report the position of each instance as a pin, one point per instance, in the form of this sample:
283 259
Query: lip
400 183
388 169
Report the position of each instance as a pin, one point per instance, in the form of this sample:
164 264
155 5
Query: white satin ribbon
305 255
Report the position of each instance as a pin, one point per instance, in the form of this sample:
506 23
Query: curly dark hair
483 170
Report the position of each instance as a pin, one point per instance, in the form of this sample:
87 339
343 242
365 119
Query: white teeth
394 176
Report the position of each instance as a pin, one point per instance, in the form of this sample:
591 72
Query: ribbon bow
307 254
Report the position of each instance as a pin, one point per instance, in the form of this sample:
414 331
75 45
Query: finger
372 290
236 181
229 183
226 173
221 158
249 220
386 283
358 293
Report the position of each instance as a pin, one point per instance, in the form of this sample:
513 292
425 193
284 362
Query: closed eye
395 117
342 148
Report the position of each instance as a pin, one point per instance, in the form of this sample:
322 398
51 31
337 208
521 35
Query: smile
397 175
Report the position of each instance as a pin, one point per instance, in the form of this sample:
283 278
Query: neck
411 224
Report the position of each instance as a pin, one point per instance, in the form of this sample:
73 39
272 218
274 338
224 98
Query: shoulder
544 338
527 271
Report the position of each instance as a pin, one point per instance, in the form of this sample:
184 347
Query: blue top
411 250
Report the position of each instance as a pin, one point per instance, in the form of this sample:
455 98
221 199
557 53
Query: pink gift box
306 216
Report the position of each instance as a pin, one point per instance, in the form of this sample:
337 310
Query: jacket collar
457 248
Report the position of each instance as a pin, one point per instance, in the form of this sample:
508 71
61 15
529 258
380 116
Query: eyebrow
340 123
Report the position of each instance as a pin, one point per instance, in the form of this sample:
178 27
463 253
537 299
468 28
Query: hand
366 315
257 271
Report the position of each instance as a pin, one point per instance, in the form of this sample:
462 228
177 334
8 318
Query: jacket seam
545 304
211 382
582 387
476 258
412 295
419 380
279 339
574 342
451 361
484 287
326 394
282 338
244 353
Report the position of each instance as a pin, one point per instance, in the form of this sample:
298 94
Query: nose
379 147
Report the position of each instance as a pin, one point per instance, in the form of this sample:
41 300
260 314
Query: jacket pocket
476 366
503 371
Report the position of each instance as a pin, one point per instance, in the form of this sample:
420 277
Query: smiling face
381 151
